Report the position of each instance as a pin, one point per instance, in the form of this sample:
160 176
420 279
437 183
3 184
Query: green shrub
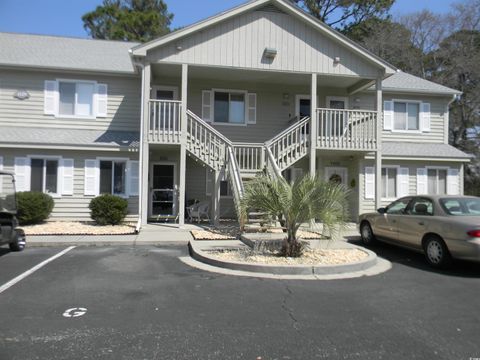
108 209
33 207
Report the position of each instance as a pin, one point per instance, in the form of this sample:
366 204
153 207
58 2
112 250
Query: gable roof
141 50
65 53
404 82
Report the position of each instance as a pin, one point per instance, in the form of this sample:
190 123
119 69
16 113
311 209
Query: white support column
183 147
144 146
378 153
313 124
217 178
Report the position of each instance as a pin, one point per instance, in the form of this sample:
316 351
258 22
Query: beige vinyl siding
241 41
438 116
273 110
73 207
124 94
368 205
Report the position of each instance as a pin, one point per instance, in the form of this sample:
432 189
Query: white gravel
309 257
77 228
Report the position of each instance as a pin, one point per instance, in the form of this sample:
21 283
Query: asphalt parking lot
144 303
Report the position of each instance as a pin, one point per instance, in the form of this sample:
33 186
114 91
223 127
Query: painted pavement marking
33 269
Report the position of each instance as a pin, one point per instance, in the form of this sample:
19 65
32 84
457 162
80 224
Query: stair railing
236 183
206 143
271 165
291 144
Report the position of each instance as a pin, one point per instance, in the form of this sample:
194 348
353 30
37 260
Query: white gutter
140 175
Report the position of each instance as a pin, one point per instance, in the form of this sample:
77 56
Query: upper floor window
406 116
229 107
76 98
72 98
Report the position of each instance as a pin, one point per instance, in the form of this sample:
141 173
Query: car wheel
436 252
366 233
19 243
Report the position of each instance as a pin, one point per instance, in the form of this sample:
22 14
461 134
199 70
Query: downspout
140 175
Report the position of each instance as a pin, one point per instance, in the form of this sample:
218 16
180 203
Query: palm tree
296 203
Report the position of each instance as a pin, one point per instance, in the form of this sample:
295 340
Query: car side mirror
381 210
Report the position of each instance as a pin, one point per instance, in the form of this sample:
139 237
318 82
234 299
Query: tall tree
390 41
457 67
345 14
128 20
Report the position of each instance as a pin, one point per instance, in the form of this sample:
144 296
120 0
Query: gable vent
270 8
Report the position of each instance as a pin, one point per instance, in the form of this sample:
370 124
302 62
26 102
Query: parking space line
33 269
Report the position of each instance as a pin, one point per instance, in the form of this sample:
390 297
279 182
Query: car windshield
461 206
7 194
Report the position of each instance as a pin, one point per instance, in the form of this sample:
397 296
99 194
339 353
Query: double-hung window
229 107
389 183
113 177
437 181
406 115
44 175
76 98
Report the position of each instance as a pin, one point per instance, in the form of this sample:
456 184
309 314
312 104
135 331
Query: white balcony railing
346 129
164 126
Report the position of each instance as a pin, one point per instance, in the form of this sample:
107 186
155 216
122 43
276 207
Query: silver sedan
442 227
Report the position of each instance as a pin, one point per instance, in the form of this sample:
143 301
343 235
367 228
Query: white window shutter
22 173
252 108
1 178
207 105
402 182
133 178
425 116
387 115
92 177
101 95
369 182
208 182
65 172
422 181
50 97
453 183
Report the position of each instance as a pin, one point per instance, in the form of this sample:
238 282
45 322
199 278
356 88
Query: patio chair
199 210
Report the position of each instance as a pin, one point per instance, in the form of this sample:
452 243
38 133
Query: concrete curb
107 240
198 252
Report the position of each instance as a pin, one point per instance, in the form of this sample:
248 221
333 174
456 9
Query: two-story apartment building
196 113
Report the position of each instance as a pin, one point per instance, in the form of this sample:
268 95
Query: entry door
338 175
336 121
164 92
163 195
303 106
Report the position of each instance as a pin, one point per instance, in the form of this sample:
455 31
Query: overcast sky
63 17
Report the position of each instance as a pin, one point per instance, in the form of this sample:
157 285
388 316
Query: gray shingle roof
68 137
65 53
401 81
404 149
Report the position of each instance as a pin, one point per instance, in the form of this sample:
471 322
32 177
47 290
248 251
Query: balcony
164 125
346 129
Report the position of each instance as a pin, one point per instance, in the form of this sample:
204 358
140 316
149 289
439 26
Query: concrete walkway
151 234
